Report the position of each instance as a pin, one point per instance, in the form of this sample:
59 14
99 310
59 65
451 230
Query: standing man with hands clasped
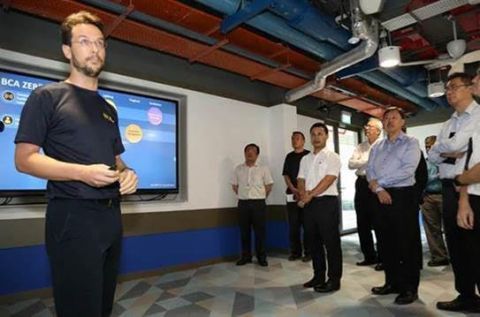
391 175
252 183
78 132
294 212
317 184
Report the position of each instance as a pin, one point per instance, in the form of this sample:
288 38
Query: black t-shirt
292 165
72 125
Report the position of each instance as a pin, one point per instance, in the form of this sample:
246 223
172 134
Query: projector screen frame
48 69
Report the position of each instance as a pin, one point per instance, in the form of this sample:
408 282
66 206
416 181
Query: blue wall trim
26 268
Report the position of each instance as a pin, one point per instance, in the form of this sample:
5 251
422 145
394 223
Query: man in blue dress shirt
391 175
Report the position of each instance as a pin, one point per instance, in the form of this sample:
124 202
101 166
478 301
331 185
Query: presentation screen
148 125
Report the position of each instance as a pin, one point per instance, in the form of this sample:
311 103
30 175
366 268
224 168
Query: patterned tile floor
226 290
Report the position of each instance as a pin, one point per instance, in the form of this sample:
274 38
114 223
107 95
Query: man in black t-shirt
78 132
295 213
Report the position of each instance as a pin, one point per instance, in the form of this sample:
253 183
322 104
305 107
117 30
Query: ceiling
282 51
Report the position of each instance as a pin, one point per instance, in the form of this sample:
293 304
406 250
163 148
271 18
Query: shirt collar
322 151
400 137
471 107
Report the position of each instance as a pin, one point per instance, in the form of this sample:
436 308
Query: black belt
362 176
447 181
324 197
106 201
399 189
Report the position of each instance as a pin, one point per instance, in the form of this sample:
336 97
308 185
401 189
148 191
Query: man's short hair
397 109
252 145
465 78
319 125
81 17
430 139
299 133
376 122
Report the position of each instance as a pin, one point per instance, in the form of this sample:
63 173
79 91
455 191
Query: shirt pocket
320 168
257 179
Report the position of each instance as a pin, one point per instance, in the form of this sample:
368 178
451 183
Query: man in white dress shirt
364 198
468 215
317 184
252 183
449 152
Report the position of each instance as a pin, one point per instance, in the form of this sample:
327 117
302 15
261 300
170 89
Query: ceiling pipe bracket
244 14
270 72
209 50
119 20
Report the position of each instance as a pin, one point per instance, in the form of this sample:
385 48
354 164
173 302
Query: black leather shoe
366 262
307 258
294 257
379 267
244 261
405 298
460 304
438 262
384 290
330 286
315 281
262 262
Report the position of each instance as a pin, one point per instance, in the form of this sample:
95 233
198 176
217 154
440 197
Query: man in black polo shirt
78 132
295 213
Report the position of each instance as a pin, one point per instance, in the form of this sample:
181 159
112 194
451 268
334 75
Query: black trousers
322 220
400 239
473 242
458 240
367 218
83 241
295 217
252 213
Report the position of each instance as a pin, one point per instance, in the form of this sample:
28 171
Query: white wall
421 132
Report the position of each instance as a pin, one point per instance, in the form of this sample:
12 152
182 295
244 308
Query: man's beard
87 70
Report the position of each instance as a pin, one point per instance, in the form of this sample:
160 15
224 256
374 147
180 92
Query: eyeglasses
86 43
454 88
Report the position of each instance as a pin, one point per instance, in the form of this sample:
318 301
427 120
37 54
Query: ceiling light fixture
389 56
436 89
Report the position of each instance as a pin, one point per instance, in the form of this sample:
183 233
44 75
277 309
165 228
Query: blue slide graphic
148 126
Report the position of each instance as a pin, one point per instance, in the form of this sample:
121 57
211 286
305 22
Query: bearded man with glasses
78 132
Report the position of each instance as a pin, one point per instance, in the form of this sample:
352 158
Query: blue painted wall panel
26 268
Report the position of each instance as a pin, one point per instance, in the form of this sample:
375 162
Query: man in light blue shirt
391 175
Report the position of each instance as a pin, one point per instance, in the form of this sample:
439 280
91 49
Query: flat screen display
148 125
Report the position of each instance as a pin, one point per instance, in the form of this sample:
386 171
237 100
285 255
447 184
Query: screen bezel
105 83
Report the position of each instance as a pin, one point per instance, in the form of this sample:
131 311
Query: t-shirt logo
107 117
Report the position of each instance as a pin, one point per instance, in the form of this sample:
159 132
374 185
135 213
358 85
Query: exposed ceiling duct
307 36
364 28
